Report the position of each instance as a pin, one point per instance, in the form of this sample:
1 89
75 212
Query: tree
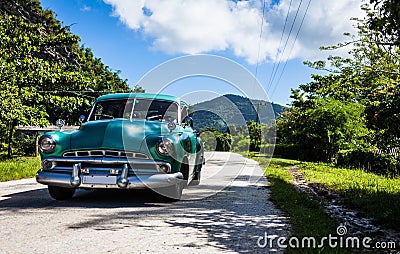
324 126
44 73
370 77
255 136
385 19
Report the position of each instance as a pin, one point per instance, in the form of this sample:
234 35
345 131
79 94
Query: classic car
128 141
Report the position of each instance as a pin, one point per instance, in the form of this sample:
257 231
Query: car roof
140 96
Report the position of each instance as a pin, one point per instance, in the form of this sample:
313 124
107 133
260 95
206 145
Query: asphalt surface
227 213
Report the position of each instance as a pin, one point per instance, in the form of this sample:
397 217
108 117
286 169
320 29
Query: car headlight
47 144
165 147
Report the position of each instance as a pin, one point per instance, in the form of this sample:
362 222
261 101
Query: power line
280 43
290 52
259 41
284 48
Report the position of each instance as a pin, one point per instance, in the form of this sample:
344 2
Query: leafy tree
255 136
370 77
44 73
215 140
325 126
385 19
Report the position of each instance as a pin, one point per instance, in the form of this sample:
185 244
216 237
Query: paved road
114 221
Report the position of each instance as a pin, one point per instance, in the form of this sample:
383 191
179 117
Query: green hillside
232 109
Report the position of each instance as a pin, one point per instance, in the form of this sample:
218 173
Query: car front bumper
93 173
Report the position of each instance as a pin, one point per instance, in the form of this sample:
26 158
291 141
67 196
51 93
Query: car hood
118 134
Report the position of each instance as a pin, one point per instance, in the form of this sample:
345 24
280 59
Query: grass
375 195
18 168
306 216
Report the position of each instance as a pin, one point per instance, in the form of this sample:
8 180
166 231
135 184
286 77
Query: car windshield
152 110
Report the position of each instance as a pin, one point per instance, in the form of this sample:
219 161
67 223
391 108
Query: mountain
233 109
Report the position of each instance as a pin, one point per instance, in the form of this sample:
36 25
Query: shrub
243 145
25 143
370 161
297 152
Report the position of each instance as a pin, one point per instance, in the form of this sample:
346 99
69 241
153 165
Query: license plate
94 179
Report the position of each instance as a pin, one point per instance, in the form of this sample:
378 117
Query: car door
189 139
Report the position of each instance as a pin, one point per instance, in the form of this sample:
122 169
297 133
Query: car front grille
105 153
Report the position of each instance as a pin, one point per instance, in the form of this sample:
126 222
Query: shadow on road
231 220
111 198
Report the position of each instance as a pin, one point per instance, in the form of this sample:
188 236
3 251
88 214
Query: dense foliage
356 106
386 20
44 73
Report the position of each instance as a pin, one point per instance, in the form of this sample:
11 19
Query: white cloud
200 26
86 8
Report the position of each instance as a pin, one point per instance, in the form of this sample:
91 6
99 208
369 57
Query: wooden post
36 143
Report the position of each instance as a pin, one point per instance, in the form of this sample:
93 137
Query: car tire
196 178
60 193
185 172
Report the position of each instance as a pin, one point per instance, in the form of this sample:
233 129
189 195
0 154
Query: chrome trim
104 153
134 182
51 140
122 181
75 180
104 160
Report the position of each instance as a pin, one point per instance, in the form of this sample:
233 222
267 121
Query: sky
269 39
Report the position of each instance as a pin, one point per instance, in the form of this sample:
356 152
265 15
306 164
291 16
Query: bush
3 147
267 149
383 164
25 143
296 152
216 141
243 145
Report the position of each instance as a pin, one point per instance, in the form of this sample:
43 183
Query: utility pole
258 104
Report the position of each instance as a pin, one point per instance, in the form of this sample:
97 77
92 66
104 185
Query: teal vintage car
128 141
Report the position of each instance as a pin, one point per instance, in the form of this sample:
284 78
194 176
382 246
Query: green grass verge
18 168
306 216
375 195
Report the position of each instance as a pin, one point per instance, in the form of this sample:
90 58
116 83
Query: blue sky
137 36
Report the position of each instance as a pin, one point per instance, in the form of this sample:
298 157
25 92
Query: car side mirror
188 121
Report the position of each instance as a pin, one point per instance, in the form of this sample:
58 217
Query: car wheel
196 178
185 172
60 193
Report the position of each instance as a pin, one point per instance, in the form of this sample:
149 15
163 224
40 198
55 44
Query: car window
155 110
152 110
111 109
